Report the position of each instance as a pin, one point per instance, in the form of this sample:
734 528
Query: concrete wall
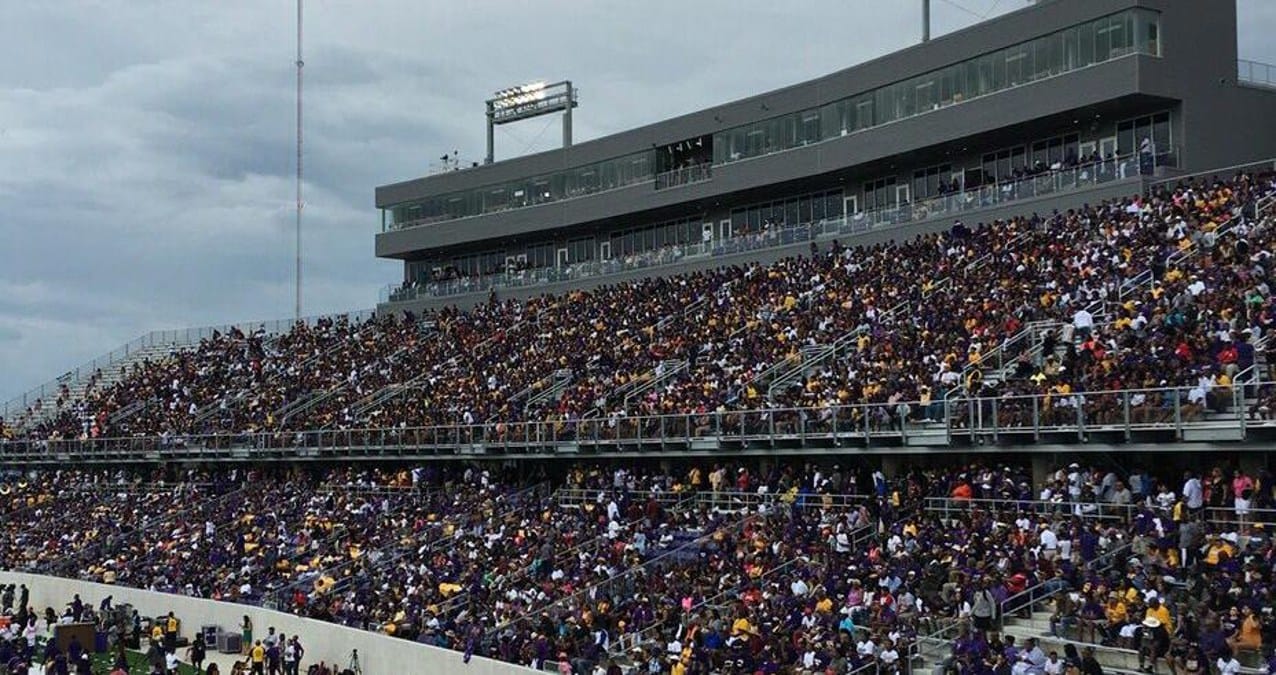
378 654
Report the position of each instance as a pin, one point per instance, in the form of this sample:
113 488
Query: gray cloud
146 151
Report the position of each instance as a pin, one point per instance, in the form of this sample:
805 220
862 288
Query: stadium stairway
77 388
1113 659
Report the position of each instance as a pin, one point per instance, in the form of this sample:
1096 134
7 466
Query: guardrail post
1238 404
1125 412
1178 414
1080 417
1036 418
996 421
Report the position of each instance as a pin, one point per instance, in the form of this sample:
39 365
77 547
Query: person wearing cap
1154 644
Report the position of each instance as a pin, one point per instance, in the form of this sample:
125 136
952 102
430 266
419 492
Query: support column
491 135
567 117
1042 467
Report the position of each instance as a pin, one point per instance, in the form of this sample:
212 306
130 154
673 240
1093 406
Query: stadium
960 360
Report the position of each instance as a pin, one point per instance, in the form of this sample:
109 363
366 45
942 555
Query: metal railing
159 338
697 173
1062 180
704 538
1224 173
1031 596
1256 73
1164 411
948 506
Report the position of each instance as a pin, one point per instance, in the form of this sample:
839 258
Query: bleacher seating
1162 296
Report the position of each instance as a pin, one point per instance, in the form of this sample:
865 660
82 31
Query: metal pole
925 20
491 134
567 116
300 64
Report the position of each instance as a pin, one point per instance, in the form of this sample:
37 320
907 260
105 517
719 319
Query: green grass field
102 663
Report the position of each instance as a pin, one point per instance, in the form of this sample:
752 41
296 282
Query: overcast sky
146 146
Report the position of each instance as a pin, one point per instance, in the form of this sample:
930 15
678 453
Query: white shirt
1228 666
1193 493
1083 319
1049 541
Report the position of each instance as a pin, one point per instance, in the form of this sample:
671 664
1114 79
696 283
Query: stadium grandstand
962 360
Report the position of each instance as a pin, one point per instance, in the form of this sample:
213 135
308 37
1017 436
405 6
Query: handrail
76 557
558 381
404 550
628 571
1083 510
389 392
642 635
1222 173
591 544
159 338
1037 592
1081 176
838 347
833 422
663 371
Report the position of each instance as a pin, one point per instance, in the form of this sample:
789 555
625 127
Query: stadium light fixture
514 104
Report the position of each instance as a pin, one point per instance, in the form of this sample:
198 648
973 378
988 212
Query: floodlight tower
527 101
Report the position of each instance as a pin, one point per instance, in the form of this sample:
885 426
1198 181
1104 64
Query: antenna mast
300 64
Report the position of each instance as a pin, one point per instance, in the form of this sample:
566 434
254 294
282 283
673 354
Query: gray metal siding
1042 205
1101 83
938 53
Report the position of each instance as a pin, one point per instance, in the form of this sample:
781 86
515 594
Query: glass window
833 205
1125 138
1102 40
817 209
1085 45
1041 58
969 81
1150 40
927 98
1071 57
864 113
809 131
1161 133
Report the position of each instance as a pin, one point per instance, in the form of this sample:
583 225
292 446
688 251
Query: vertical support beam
491 134
567 116
925 20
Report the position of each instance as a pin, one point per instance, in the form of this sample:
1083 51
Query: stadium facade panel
1003 117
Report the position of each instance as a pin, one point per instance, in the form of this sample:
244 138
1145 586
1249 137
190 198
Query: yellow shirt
741 626
1162 613
258 654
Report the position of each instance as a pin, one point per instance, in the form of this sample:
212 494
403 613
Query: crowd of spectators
1170 289
703 568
